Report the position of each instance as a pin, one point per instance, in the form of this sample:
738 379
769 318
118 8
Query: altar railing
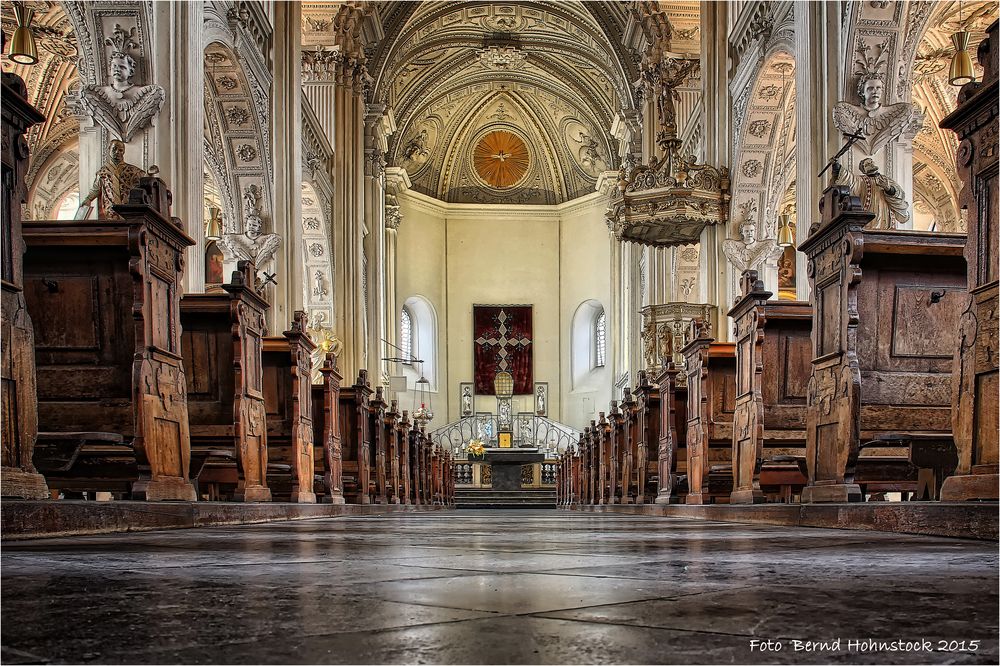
529 431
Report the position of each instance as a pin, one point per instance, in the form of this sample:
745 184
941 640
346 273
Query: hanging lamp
22 44
961 71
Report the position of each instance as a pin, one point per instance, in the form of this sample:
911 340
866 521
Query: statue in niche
649 344
540 400
121 106
319 285
877 125
114 180
666 340
466 401
747 252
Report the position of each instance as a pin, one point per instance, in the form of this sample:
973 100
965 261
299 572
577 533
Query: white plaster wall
551 257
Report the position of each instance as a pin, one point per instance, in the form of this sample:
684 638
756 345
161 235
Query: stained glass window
600 340
406 335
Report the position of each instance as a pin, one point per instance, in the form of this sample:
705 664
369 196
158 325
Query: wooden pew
355 421
221 345
415 458
405 466
327 431
644 436
773 353
976 382
602 447
586 466
287 362
391 423
18 476
617 452
104 298
378 485
711 382
671 430
883 338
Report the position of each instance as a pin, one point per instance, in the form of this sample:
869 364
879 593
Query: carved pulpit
974 378
20 407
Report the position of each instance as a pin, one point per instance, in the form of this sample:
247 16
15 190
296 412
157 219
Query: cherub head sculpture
748 231
870 90
121 68
253 226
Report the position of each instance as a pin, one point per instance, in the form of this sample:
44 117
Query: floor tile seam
634 601
257 639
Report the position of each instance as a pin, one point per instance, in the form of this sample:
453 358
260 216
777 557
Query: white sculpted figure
877 125
252 245
748 252
121 106
466 401
540 400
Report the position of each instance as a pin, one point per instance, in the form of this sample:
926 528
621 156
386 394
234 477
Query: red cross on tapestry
502 341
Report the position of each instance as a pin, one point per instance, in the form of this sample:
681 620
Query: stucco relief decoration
238 115
251 243
769 92
749 252
418 149
311 223
316 250
247 153
319 289
752 168
120 106
759 128
876 126
502 58
586 149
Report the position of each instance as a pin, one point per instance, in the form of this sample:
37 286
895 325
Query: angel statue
121 106
252 245
876 125
747 252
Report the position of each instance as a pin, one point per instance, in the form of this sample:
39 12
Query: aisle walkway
493 587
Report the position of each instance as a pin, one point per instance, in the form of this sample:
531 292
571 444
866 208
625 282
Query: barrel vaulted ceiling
553 74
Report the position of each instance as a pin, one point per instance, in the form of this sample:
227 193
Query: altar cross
502 342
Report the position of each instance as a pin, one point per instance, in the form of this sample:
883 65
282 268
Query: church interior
560 331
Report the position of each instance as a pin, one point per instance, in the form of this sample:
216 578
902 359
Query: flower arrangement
476 448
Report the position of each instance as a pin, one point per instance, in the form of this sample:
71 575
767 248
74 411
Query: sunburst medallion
501 159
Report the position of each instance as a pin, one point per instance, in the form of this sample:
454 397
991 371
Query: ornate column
178 145
286 149
396 181
335 82
379 125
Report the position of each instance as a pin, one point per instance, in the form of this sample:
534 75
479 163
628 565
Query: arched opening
417 337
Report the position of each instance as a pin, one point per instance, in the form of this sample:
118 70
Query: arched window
406 335
600 340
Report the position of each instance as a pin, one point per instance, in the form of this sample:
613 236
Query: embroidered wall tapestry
502 341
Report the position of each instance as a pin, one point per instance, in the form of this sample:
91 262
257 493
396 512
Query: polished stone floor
498 587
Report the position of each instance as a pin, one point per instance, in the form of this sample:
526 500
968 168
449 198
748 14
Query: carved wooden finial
838 199
300 321
244 275
750 284
362 377
153 192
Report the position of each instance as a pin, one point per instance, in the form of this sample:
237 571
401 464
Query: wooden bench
883 338
711 385
378 484
355 421
327 432
221 345
287 363
773 354
18 476
976 384
104 298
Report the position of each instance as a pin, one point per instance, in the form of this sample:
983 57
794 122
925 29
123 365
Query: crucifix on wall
502 341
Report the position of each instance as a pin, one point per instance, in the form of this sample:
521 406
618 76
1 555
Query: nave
495 587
